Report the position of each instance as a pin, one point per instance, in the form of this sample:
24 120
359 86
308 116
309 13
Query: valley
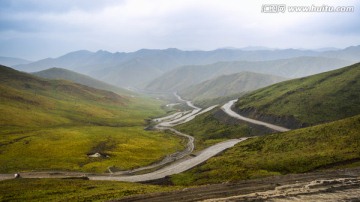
138 100
55 125
73 127
177 160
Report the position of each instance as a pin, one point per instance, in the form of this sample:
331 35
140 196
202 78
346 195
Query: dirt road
227 109
332 185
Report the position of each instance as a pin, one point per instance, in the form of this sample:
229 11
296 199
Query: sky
37 29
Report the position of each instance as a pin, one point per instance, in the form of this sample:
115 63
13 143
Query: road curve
176 167
165 123
227 109
189 103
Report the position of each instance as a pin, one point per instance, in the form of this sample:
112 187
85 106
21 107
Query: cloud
128 25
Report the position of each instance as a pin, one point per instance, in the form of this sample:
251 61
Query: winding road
173 163
178 161
227 109
177 167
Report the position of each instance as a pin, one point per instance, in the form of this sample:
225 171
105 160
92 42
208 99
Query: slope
227 85
64 74
335 144
306 101
186 76
55 124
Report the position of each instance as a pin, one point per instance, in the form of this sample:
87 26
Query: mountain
227 85
351 53
255 48
186 76
9 61
64 74
135 69
306 101
29 100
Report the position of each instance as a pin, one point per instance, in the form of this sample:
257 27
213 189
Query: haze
34 29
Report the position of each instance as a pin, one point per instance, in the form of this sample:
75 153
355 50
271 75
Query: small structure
17 175
98 155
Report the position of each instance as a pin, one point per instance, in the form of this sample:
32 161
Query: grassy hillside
328 145
315 99
227 85
64 74
71 190
53 124
185 76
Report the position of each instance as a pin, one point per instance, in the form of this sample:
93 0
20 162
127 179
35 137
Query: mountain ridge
10 61
64 74
185 76
104 65
227 85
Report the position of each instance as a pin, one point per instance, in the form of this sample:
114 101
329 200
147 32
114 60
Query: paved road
177 167
227 109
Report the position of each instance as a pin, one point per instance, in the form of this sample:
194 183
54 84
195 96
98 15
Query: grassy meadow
53 125
71 190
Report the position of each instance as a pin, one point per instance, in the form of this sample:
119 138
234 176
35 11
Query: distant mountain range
137 69
9 61
228 85
183 77
64 74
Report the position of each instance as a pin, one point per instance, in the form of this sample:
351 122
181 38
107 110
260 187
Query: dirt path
227 109
331 185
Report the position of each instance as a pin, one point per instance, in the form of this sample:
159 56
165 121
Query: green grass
332 144
315 99
209 130
71 190
66 148
53 125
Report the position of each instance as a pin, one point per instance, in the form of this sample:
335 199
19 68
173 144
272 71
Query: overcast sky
36 29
